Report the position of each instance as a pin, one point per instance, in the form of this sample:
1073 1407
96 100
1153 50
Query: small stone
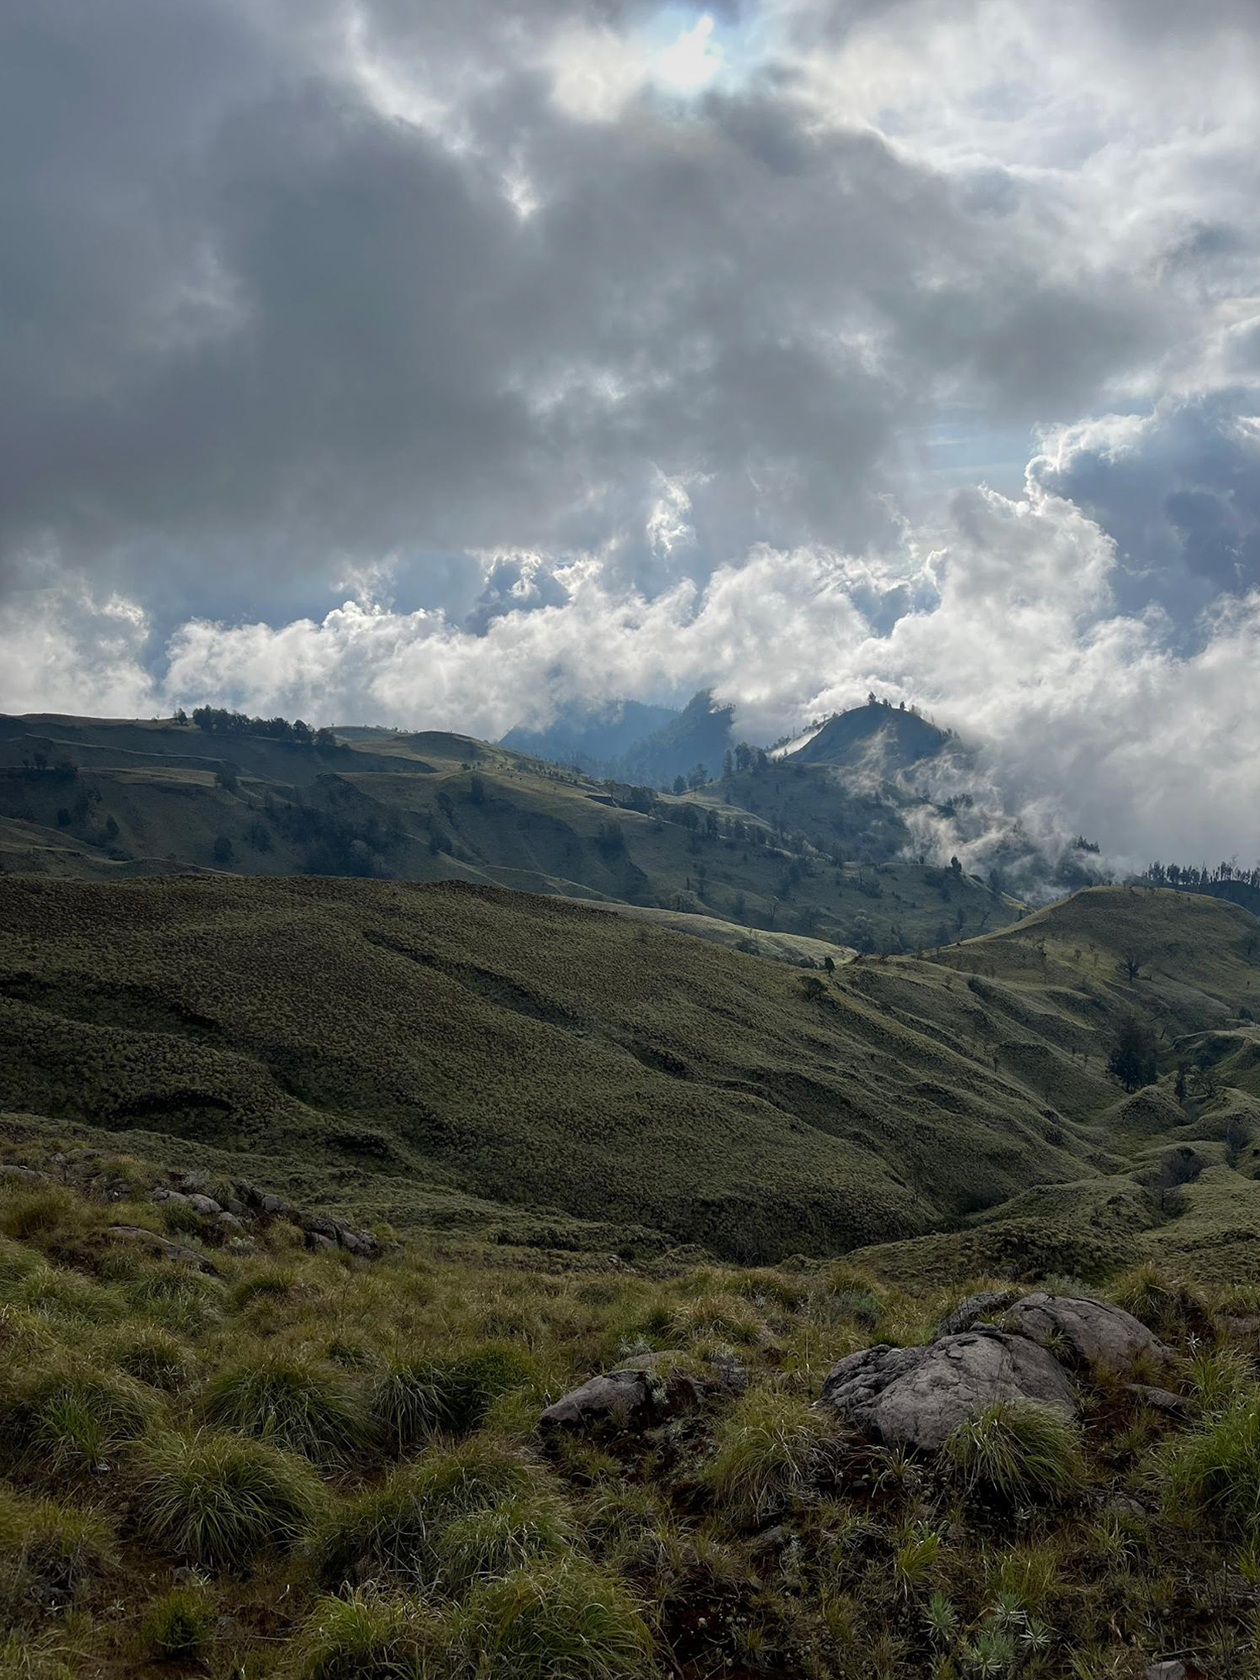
230 1222
205 1204
1160 1399
1169 1669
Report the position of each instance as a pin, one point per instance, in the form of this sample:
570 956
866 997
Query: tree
1130 965
222 849
226 777
680 784
1132 1059
728 763
829 963
697 776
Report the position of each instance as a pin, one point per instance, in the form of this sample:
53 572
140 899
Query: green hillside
387 1042
102 799
455 1054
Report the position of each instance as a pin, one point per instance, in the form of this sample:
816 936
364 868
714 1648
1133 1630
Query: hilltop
877 739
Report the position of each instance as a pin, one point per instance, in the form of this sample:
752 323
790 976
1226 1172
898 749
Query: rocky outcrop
644 1392
1086 1331
164 1246
983 1305
917 1396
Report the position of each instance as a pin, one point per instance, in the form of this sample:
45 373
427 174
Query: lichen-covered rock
164 1246
976 1307
645 1391
626 1399
1085 1330
916 1397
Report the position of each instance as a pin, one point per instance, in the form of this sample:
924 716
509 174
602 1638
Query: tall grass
767 1451
551 1621
1214 1472
1018 1450
293 1403
217 1500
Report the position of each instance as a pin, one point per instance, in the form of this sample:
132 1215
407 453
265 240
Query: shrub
484 1544
768 1451
297 1405
364 1636
179 1626
1018 1449
1214 1472
392 1530
552 1621
478 1379
64 1420
218 1500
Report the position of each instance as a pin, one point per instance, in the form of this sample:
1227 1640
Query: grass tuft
220 1501
1214 1471
1017 1450
552 1621
294 1403
179 1626
768 1451
365 1636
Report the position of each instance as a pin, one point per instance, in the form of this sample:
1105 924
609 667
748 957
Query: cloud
582 389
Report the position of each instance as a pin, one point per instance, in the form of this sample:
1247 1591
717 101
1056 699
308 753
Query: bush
220 1501
65 1420
392 1530
768 1450
552 1621
179 1626
296 1405
1214 1472
1018 1449
365 1637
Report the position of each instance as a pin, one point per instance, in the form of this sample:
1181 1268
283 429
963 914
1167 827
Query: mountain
109 799
594 740
877 739
699 737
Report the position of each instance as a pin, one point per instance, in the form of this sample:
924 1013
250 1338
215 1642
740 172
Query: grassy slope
427 1052
369 1035
752 1537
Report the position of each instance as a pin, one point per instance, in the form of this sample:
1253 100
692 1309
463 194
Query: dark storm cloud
260 329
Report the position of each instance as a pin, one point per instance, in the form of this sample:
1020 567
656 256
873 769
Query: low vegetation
314 1465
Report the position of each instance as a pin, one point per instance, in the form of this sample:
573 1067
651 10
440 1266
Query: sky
446 364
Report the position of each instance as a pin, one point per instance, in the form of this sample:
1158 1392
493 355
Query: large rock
645 1391
626 1399
1086 1331
169 1250
915 1397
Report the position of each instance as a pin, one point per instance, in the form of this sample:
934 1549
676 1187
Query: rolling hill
454 1054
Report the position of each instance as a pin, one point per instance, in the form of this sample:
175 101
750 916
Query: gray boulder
627 1399
1087 1331
643 1392
916 1397
973 1309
